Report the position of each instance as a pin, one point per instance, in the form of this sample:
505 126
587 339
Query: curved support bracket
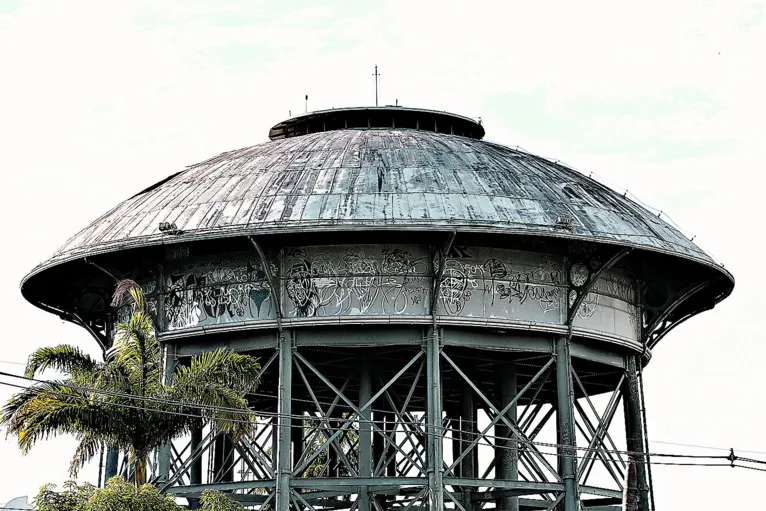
583 289
104 270
659 327
439 273
102 341
273 283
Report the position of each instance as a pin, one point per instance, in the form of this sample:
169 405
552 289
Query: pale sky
100 99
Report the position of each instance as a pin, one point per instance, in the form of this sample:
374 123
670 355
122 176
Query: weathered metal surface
377 178
390 281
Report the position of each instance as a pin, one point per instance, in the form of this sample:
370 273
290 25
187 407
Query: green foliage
213 500
105 403
119 495
71 498
116 495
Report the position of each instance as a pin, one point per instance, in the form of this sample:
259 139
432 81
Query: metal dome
377 179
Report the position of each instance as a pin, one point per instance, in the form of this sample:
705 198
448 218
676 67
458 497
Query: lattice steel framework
436 421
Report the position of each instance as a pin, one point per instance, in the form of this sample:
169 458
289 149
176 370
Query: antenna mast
376 75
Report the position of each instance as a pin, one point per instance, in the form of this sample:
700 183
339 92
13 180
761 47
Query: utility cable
340 419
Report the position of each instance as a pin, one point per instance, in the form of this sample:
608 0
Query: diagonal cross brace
611 408
358 409
514 429
501 414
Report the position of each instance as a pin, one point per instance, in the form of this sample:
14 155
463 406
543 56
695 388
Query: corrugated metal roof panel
382 177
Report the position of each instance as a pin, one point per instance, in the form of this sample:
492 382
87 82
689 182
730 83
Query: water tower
424 304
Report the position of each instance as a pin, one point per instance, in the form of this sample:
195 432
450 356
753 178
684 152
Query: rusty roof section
399 179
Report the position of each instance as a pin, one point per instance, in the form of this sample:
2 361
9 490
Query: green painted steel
284 467
634 427
434 435
506 455
566 428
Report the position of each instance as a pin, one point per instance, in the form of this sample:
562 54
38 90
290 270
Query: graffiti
502 281
365 280
588 305
617 285
370 280
214 292
457 285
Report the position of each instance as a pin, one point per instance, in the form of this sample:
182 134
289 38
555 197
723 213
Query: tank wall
479 284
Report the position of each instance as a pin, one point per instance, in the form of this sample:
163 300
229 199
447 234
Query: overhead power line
358 420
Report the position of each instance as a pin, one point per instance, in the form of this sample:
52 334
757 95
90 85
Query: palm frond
64 357
48 409
87 449
239 372
127 287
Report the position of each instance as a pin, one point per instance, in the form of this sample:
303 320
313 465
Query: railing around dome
393 117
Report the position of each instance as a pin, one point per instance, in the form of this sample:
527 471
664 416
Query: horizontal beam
341 482
518 487
239 485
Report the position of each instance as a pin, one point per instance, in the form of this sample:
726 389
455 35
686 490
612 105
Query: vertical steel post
275 443
297 435
378 449
506 453
434 439
163 462
223 451
631 401
468 417
112 460
566 428
195 472
388 450
332 455
455 426
365 432
284 407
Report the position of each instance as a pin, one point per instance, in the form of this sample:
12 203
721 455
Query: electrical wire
516 440
214 409
275 415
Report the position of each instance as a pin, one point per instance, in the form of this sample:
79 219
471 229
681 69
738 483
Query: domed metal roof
399 179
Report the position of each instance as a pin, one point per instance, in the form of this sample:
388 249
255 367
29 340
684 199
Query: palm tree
123 402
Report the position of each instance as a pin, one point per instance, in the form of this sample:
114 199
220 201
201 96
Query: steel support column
223 453
163 462
506 453
388 451
468 421
297 435
112 460
566 428
634 428
365 432
284 467
434 431
195 473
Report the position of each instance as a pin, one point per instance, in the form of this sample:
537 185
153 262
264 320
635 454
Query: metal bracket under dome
273 282
104 270
660 326
438 275
581 289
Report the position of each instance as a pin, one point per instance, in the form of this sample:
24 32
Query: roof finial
376 75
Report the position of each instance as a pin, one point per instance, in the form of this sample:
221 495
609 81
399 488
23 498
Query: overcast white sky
100 99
